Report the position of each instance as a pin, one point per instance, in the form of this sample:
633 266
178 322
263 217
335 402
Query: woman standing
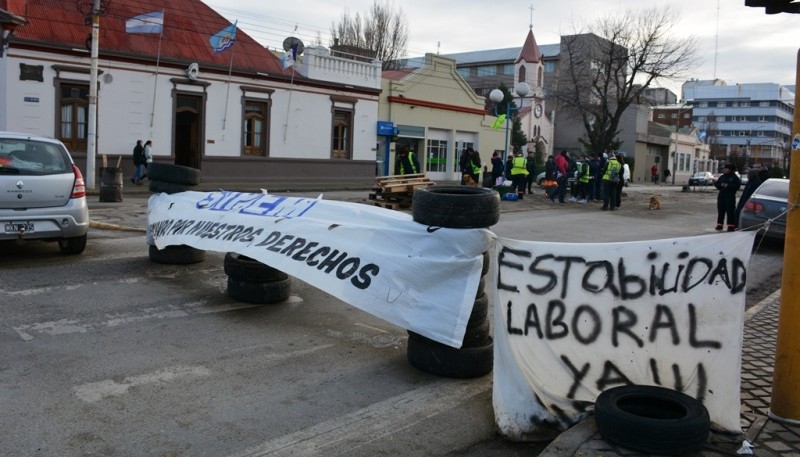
148 159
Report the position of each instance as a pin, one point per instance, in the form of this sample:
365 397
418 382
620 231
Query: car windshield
776 188
21 156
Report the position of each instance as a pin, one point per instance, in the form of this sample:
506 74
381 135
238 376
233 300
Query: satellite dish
291 42
192 70
107 78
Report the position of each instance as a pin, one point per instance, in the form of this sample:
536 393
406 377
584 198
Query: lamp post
497 96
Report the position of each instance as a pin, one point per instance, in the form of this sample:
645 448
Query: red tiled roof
188 24
396 75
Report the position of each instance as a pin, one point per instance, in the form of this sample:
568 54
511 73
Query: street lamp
497 96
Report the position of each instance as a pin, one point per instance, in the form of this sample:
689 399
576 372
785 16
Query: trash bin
110 184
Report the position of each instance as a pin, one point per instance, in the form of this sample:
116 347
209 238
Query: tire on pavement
176 174
176 255
72 246
442 360
166 187
260 293
652 419
244 268
456 206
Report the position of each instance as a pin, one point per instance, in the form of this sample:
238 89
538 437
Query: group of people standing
597 178
142 156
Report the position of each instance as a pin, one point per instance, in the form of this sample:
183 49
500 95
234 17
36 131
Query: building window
744 104
661 115
436 156
549 67
342 140
73 114
762 118
255 127
522 74
508 69
489 70
733 104
703 105
464 72
540 77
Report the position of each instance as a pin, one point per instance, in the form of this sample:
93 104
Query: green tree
381 33
518 137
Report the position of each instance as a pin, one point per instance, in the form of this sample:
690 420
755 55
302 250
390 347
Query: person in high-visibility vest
519 174
405 162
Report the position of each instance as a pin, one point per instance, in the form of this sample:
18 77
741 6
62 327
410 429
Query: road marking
67 326
95 391
346 433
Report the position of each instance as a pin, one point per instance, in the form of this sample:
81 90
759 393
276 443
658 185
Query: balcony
318 64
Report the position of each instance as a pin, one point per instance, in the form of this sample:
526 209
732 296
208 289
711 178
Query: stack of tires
458 207
251 281
171 179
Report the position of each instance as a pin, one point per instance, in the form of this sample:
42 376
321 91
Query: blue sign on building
386 128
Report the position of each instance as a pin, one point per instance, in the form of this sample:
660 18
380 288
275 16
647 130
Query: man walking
562 162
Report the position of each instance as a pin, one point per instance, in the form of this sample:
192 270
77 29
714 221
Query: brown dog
655 203
468 181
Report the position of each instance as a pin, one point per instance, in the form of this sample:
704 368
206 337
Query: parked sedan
702 178
42 192
767 204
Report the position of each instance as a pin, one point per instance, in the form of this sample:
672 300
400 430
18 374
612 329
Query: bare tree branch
605 71
382 33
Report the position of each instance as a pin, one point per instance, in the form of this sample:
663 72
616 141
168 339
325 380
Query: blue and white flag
146 23
223 39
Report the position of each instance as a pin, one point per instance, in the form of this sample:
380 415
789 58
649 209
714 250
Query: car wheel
72 246
176 255
246 269
456 206
259 293
652 419
442 360
177 174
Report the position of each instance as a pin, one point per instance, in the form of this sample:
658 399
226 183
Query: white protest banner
421 278
572 320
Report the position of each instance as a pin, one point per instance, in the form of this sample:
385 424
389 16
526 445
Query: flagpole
155 85
228 90
288 107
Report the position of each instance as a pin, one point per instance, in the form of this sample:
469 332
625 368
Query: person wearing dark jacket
530 166
727 184
138 162
497 167
753 181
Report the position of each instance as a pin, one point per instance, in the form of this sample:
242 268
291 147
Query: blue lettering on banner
256 204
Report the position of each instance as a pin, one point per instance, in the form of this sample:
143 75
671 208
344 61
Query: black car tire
480 309
477 336
442 360
166 187
176 174
259 293
72 246
652 419
485 266
246 269
456 206
176 255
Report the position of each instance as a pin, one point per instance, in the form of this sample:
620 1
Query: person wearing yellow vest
519 173
405 162
612 173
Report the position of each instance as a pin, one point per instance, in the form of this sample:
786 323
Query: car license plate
19 227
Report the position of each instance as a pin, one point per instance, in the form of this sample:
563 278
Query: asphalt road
108 353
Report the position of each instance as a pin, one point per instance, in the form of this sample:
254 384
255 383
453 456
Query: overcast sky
737 44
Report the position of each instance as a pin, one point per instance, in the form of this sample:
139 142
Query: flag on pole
223 39
498 123
146 23
286 60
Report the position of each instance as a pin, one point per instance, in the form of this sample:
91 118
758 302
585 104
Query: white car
42 192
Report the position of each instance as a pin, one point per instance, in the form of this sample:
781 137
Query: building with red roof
234 114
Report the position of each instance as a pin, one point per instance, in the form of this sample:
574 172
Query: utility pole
785 404
91 132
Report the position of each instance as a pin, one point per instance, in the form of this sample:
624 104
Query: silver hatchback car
42 192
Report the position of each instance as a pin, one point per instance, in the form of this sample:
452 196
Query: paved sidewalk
768 437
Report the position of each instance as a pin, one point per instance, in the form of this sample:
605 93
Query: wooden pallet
396 191
403 183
